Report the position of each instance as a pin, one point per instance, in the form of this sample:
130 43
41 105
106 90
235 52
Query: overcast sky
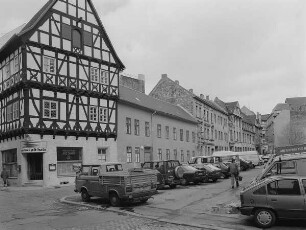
251 51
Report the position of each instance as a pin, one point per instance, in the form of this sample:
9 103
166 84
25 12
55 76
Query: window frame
47 64
159 130
50 109
128 125
129 154
136 127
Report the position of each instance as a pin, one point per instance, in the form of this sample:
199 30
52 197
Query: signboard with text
33 146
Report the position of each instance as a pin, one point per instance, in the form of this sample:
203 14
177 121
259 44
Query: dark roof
20 31
212 104
250 119
281 107
297 101
247 111
231 106
265 117
138 99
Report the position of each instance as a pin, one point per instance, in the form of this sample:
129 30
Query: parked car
275 197
213 173
198 161
189 174
245 164
166 169
111 181
160 184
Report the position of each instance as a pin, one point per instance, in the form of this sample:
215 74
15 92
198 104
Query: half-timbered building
59 89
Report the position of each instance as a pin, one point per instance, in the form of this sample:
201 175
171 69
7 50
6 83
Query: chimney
164 75
201 96
207 97
177 82
191 90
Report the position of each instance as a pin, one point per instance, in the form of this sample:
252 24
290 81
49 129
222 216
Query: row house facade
286 125
248 133
151 129
59 92
212 129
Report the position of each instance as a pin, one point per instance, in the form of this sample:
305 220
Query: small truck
111 181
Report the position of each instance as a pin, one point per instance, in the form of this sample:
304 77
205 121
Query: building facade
59 77
151 129
212 130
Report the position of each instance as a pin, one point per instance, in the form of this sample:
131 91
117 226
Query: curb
110 209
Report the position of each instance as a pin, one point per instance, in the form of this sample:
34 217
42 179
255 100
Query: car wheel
264 218
114 199
184 182
172 185
85 196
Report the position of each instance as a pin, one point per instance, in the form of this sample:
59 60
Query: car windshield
112 168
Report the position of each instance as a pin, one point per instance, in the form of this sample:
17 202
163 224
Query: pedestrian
234 171
5 176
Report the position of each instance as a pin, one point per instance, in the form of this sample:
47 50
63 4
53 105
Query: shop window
66 157
9 161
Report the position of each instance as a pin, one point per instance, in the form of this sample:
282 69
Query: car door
304 187
285 197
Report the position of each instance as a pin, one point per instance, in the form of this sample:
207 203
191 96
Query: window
76 39
16 64
16 110
167 132
129 154
136 127
167 154
7 72
160 156
9 113
93 113
94 74
187 135
284 187
128 124
50 109
175 154
174 134
66 157
147 129
188 155
260 191
104 77
193 153
193 137
49 65
182 156
9 161
103 115
102 154
181 134
158 130
137 154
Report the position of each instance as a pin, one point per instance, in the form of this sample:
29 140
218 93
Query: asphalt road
204 206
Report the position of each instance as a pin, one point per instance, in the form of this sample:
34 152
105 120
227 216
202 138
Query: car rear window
260 191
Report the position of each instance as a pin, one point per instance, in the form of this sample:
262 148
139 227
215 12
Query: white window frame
102 154
160 155
104 77
49 62
93 113
129 154
137 154
103 114
94 74
50 109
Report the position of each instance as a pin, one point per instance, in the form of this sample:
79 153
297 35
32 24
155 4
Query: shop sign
33 146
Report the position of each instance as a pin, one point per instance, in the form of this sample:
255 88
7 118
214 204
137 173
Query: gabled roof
7 39
211 104
141 100
281 107
265 117
247 111
296 101
231 106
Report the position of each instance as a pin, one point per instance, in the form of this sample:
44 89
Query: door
284 196
147 154
35 166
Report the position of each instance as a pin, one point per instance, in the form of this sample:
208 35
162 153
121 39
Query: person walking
5 176
234 171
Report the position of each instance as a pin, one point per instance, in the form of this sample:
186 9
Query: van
252 156
226 157
284 165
